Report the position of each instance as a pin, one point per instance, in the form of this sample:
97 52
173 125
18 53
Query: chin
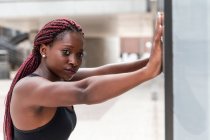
67 78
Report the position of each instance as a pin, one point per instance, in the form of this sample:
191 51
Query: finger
161 18
159 21
159 34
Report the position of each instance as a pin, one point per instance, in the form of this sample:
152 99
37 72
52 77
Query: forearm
102 88
110 69
124 67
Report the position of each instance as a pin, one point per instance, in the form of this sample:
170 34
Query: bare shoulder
24 89
27 84
40 92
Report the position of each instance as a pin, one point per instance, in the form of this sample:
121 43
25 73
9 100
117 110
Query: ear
43 50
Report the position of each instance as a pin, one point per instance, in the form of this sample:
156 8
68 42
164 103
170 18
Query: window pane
191 69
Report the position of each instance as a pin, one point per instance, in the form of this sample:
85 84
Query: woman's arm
110 69
37 91
102 88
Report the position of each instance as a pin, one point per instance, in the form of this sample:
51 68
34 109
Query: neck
45 72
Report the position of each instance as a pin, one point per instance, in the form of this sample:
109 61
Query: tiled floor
135 115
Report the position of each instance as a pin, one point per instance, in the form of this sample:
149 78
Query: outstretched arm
92 90
110 69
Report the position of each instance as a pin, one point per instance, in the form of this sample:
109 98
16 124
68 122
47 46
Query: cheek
56 59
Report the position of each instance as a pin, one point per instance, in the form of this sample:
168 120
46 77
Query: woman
41 97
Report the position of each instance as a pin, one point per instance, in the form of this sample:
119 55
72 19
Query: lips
70 71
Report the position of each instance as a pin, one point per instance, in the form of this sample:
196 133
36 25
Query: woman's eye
80 55
66 52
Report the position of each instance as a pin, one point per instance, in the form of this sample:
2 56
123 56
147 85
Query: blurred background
115 31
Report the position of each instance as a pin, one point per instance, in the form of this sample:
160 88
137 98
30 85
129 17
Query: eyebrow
68 45
71 46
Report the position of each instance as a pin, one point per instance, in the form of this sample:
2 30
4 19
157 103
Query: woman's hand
154 66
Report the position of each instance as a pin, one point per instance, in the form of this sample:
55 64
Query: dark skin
35 99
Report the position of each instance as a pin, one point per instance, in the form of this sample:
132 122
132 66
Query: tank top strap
33 74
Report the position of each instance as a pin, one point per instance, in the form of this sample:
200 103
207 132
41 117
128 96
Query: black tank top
59 128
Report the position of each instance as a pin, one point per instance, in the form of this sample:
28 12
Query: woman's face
64 57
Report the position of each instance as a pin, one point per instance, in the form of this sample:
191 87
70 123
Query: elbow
89 94
83 95
84 98
89 99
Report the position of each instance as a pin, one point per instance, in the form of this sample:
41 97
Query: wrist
152 72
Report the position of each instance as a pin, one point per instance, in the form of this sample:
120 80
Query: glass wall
208 60
191 42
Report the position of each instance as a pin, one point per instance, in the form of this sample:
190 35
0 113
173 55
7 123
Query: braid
45 36
28 67
48 33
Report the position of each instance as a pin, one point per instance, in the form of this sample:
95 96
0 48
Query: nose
73 60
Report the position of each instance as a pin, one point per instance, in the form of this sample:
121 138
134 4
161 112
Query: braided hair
46 35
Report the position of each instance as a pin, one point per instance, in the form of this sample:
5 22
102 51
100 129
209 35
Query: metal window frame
168 69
